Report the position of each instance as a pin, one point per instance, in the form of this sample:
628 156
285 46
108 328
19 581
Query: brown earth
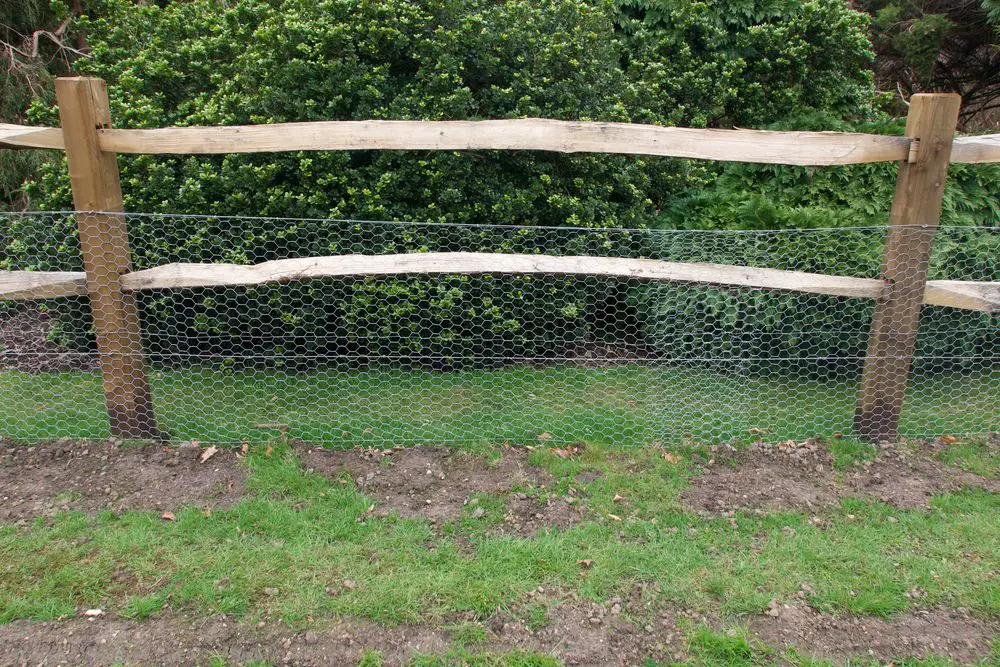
94 476
577 632
801 476
937 632
25 345
439 484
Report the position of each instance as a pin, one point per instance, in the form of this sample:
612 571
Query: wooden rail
762 146
795 148
980 149
799 148
25 285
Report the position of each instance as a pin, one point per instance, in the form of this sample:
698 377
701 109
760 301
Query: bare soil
25 345
438 484
801 476
577 632
925 632
94 476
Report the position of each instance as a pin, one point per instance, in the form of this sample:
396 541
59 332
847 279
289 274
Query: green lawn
298 531
625 405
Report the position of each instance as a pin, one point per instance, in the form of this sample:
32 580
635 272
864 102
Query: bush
256 61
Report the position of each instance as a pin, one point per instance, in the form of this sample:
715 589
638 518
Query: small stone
310 637
273 592
350 584
477 513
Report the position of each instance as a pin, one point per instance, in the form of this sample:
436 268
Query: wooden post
83 108
916 210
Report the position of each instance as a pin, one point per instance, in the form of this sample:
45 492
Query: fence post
916 210
83 108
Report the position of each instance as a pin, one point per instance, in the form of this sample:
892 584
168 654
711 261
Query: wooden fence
91 146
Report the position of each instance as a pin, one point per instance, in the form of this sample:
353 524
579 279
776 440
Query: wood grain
27 285
797 148
97 196
913 221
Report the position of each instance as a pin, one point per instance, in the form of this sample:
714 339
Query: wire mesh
456 358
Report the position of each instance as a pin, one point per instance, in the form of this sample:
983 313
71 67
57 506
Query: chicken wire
463 359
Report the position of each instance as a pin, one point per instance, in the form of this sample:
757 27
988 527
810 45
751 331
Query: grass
629 405
299 532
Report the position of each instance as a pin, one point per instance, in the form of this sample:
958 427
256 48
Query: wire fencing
397 353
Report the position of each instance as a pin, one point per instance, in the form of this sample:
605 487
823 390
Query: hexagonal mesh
407 358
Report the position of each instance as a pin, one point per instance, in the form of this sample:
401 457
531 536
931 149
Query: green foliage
940 45
31 59
251 61
747 62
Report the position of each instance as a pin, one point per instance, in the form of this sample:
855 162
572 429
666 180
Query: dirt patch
94 476
907 477
801 476
25 343
627 631
172 640
922 633
438 483
623 631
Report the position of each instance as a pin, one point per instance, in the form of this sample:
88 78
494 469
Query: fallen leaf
669 456
208 453
618 498
585 563
207 513
544 437
349 584
614 517
565 452
93 613
168 516
244 448
948 439
41 407
268 451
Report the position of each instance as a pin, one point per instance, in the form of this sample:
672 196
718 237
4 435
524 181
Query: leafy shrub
746 62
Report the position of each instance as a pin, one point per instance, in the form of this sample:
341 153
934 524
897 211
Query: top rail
976 149
761 146
800 148
758 146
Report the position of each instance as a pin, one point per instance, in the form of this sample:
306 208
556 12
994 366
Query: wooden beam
27 285
964 294
678 142
181 275
83 108
23 136
916 210
798 148
980 149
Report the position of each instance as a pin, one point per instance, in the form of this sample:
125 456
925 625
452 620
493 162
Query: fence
470 332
